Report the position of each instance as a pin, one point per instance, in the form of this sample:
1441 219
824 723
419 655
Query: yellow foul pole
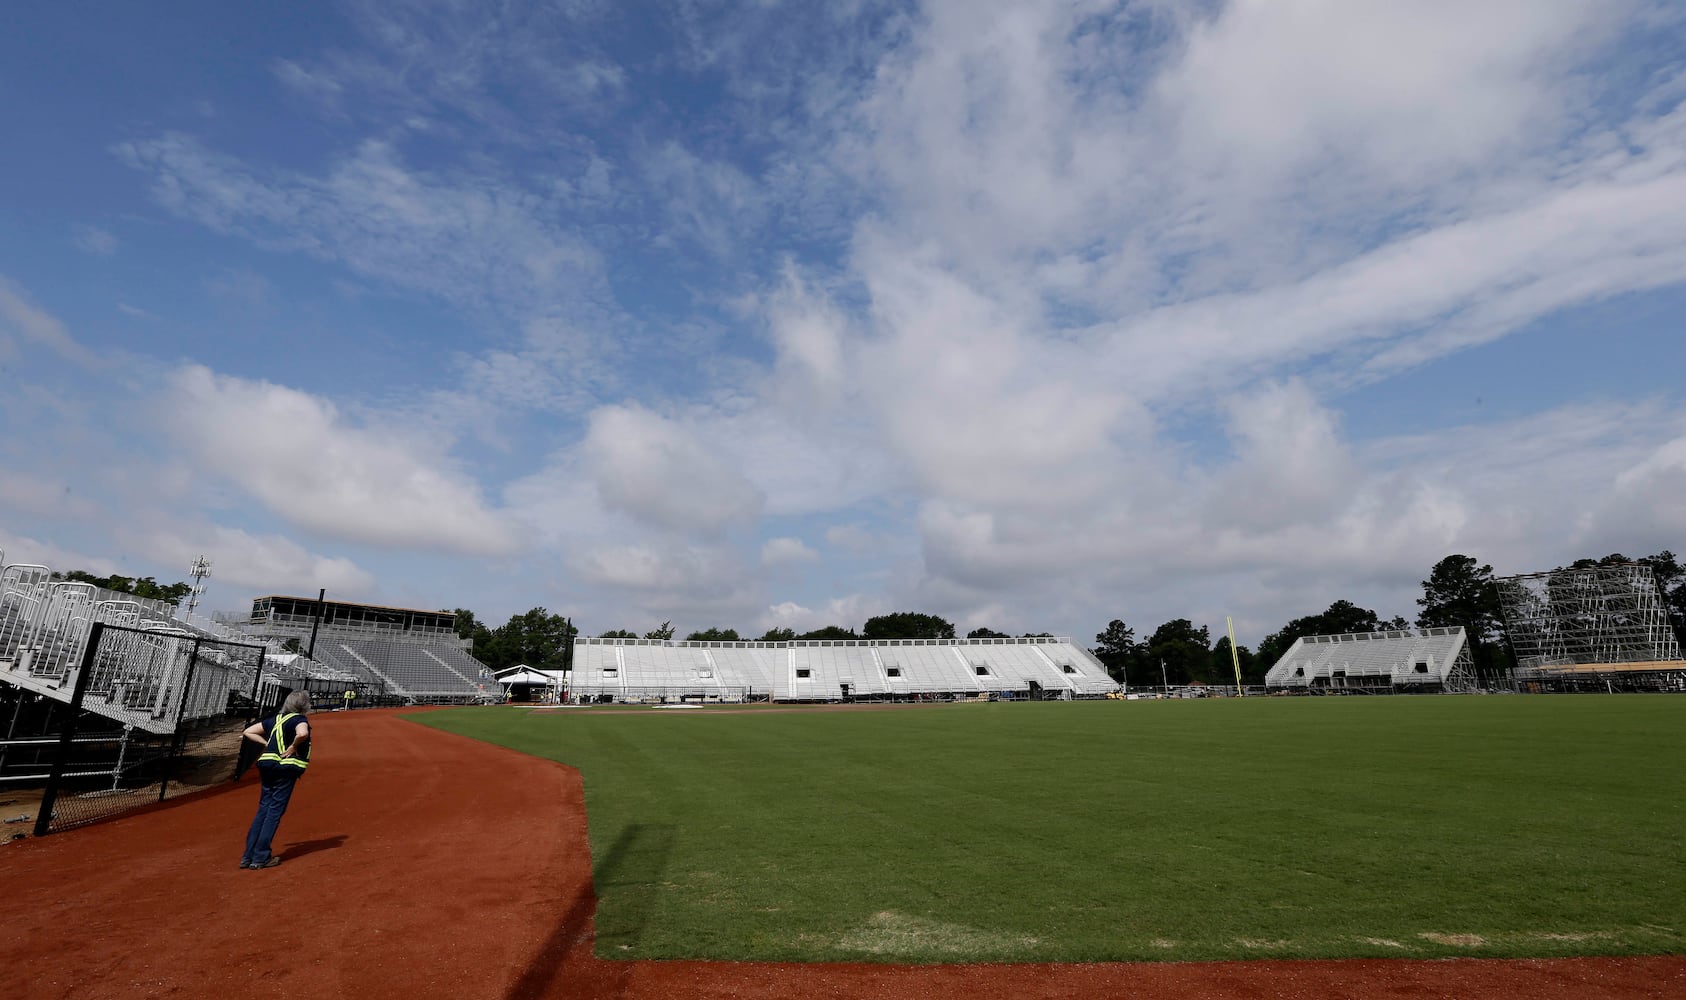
1234 657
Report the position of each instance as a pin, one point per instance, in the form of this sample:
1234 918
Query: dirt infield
422 864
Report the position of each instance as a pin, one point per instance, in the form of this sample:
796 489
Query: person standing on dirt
285 738
350 696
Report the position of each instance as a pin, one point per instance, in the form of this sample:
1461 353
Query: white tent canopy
527 675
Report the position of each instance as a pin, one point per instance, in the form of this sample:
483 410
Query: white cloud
300 457
25 549
262 563
708 202
26 493
694 586
786 551
1404 90
317 85
657 470
94 240
857 538
22 318
247 288
848 611
470 240
1291 466
1646 499
645 567
1039 265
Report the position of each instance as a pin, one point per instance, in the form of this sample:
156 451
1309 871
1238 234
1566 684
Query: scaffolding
1594 615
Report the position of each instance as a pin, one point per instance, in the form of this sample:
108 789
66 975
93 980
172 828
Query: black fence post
49 796
316 622
181 708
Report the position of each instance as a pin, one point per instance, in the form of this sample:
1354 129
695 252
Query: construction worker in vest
350 696
285 737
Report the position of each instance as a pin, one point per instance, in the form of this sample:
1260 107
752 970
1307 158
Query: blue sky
1032 315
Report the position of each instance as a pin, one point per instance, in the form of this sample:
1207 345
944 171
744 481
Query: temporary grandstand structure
1428 659
657 670
1591 628
154 673
407 655
140 675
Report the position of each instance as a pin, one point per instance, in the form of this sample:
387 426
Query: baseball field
907 845
1102 831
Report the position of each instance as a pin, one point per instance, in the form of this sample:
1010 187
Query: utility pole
316 622
200 569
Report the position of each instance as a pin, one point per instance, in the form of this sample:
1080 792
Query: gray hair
297 703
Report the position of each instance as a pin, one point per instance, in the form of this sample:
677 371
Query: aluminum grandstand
655 670
153 676
164 669
1591 628
1428 659
403 654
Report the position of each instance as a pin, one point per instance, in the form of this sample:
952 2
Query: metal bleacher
413 672
151 672
1397 659
929 669
1055 666
832 670
652 670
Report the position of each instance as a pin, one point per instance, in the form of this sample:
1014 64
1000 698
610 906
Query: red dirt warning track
419 864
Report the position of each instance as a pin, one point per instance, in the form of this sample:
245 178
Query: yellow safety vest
275 747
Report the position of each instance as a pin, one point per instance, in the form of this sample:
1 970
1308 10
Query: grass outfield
1177 830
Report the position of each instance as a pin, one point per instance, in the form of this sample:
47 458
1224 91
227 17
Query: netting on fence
149 713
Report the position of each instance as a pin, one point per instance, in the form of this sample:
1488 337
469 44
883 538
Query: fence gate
148 708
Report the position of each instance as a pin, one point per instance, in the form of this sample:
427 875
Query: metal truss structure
1600 614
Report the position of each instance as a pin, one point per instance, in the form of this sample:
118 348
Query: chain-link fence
149 712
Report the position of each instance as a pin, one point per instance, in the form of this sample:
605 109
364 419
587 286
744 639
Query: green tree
471 628
830 632
536 638
1459 591
985 633
1341 618
145 587
778 635
619 633
662 631
1222 668
1116 649
907 625
1671 584
715 634
169 593
1185 651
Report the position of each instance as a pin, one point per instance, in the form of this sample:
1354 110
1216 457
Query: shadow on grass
637 856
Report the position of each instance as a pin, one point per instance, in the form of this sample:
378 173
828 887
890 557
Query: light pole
200 569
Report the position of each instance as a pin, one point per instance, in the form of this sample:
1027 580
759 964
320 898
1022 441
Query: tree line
145 587
539 638
1460 590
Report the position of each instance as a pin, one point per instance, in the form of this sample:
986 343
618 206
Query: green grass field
1328 827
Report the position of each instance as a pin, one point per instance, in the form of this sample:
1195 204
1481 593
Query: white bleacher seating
1393 659
641 669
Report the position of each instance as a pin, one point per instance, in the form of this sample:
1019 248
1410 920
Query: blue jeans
278 782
